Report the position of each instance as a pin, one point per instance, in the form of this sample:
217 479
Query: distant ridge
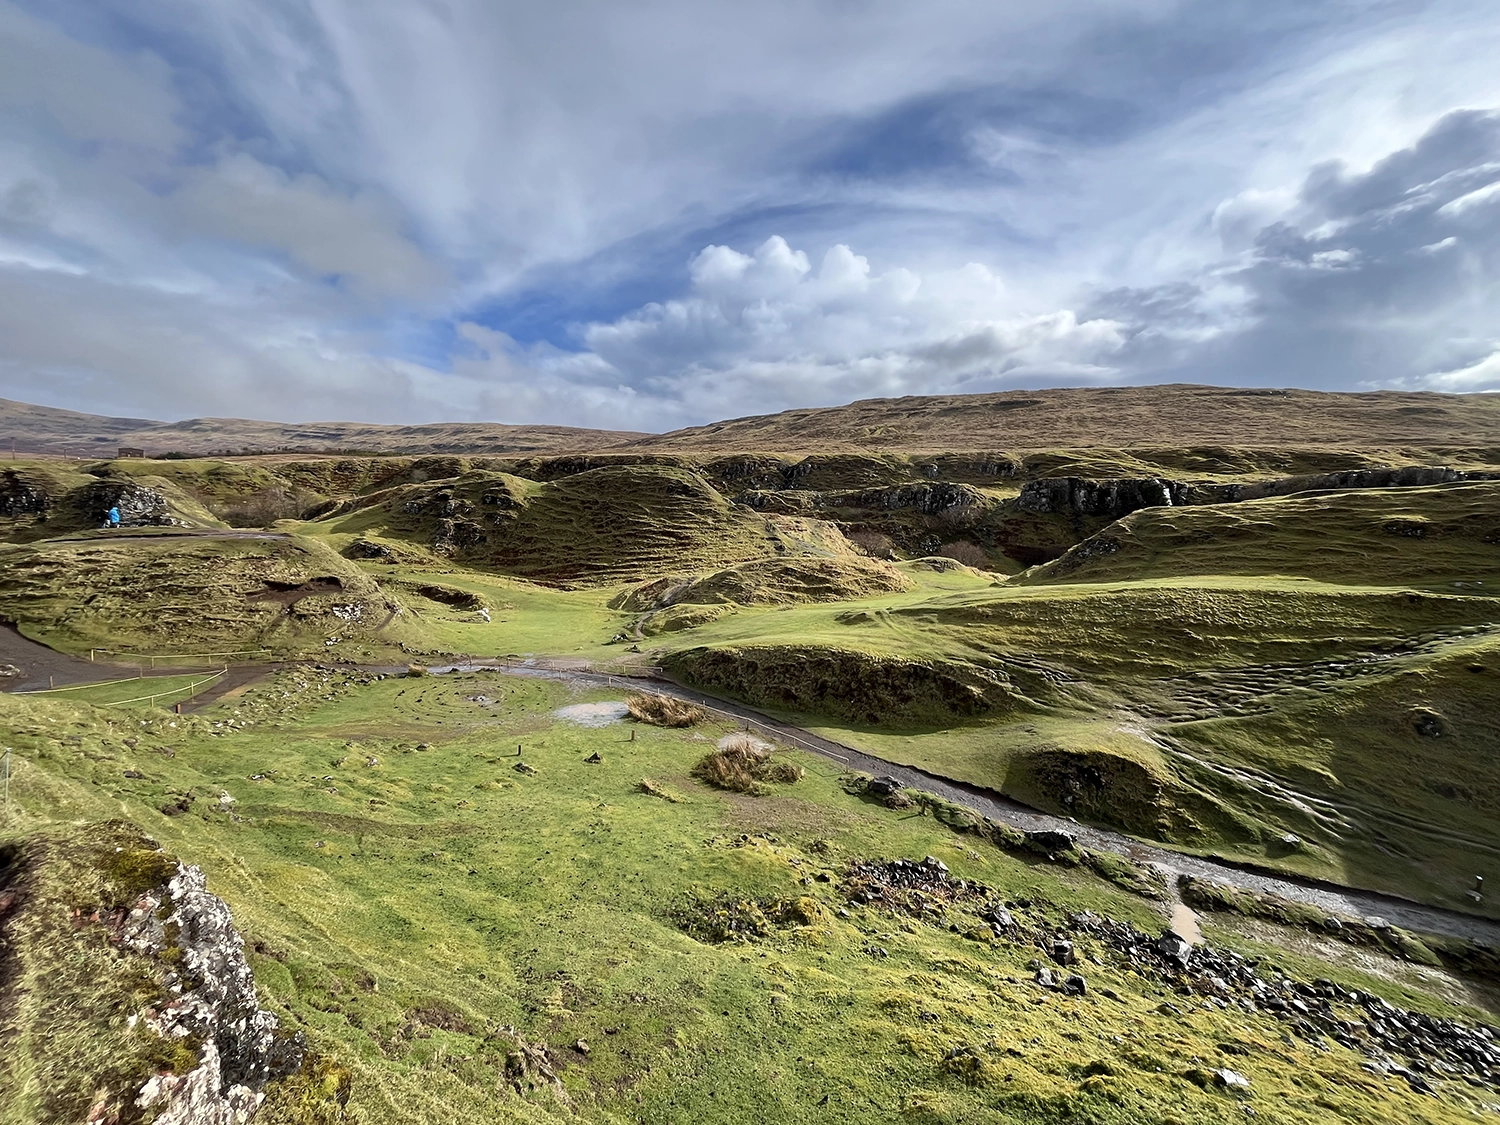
45 429
1176 415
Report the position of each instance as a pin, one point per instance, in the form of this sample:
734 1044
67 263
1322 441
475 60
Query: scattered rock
367 549
594 759
1050 841
524 767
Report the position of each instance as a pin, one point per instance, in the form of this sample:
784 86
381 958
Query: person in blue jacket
114 517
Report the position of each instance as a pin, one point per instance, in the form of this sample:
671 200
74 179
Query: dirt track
42 667
38 661
1327 896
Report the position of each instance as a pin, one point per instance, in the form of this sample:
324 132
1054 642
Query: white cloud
90 93
328 232
1485 196
206 203
1483 375
756 330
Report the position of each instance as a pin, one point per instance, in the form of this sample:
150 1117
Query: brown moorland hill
1175 415
45 429
1108 417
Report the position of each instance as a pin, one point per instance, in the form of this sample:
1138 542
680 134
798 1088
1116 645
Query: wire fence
150 658
150 700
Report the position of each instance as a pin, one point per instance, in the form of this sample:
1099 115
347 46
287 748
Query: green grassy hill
602 526
464 942
1439 536
167 594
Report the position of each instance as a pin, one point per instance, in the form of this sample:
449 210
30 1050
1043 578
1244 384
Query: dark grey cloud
1388 277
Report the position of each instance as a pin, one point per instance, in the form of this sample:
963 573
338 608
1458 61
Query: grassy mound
858 686
42 499
1118 779
680 618
173 595
606 525
781 581
1434 535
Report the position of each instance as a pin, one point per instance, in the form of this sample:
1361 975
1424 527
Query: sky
660 213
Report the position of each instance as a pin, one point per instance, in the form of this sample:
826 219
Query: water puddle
593 714
1185 923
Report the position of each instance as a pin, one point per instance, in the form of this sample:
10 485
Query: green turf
144 691
1446 536
1184 696
407 893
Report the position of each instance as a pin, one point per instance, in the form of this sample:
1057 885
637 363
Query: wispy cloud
660 213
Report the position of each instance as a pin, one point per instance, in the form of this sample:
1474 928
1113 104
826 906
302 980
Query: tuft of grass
663 710
654 788
743 763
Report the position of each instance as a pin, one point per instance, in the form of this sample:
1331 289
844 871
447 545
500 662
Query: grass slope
1218 714
1377 537
43 429
1115 417
416 905
168 594
602 526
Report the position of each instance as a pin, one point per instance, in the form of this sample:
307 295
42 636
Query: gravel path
38 661
1328 896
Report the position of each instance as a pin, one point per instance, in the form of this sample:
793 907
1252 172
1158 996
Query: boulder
243 1047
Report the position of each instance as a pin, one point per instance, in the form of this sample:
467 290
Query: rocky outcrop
1412 476
1111 499
212 1002
936 498
139 506
126 995
19 497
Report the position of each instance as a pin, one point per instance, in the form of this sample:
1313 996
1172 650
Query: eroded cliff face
125 994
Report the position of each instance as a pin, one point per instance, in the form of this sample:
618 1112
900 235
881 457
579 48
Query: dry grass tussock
654 788
743 764
663 711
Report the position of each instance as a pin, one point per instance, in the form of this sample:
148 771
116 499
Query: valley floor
419 905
